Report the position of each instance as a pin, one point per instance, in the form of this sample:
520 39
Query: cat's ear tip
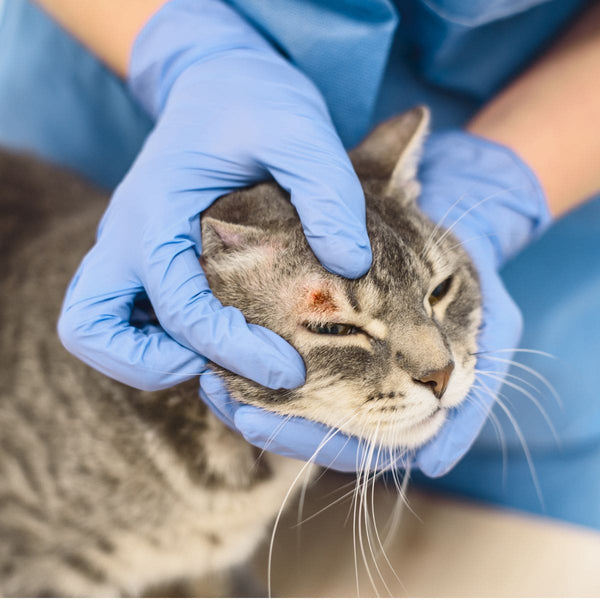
422 115
423 111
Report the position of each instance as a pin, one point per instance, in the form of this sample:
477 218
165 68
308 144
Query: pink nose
437 379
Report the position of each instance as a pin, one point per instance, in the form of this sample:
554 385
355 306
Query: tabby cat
106 490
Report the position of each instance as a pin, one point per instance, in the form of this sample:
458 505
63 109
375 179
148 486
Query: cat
106 490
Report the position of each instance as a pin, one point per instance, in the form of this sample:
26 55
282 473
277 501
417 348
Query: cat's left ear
219 236
391 152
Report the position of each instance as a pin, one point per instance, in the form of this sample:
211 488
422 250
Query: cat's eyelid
440 277
373 329
376 329
444 297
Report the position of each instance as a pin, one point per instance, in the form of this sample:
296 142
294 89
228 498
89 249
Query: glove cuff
179 34
492 184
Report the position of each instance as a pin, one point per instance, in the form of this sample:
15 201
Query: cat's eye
440 291
332 328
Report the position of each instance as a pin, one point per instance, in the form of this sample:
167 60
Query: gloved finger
314 167
501 330
97 330
309 441
188 311
296 438
215 395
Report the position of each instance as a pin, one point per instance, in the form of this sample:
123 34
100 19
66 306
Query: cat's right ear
391 152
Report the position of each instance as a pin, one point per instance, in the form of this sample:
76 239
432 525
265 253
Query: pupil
441 289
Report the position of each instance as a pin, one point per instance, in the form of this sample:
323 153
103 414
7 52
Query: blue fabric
474 47
324 39
451 54
60 102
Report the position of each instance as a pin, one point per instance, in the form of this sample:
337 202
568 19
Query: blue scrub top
372 59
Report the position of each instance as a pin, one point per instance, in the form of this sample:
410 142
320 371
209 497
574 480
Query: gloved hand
230 111
494 204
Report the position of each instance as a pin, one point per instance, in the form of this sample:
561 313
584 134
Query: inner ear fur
392 151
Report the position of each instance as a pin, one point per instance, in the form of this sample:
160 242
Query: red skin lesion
321 301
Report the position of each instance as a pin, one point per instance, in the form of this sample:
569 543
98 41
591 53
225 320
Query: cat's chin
423 431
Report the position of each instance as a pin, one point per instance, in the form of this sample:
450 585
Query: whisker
466 212
371 524
286 419
399 506
463 243
531 397
532 372
516 350
522 441
305 466
382 544
489 412
301 501
439 225
361 512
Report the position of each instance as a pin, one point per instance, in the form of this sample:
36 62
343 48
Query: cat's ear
391 152
218 236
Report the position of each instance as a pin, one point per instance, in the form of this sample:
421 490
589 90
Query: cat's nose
437 379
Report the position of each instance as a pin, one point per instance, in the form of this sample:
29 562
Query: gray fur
106 490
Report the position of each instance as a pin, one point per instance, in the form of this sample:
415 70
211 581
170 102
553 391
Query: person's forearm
551 114
107 27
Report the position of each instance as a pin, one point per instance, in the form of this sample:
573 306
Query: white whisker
522 441
489 412
439 225
514 351
531 397
273 435
532 372
304 467
466 212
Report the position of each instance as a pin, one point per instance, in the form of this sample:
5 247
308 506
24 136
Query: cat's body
106 490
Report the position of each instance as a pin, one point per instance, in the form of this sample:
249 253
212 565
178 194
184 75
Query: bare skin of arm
107 27
548 115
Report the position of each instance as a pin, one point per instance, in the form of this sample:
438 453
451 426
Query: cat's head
387 354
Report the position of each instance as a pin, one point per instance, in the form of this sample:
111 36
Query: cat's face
387 354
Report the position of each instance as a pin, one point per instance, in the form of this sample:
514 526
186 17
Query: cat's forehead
398 249
406 263
406 240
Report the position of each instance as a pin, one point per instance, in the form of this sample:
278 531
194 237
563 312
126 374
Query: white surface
456 549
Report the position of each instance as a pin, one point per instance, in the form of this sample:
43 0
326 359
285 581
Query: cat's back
72 454
47 398
103 488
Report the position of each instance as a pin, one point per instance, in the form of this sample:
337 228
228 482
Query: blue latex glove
495 206
229 111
